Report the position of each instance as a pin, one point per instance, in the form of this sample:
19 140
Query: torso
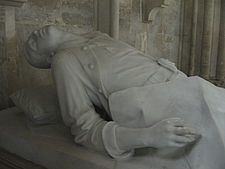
111 66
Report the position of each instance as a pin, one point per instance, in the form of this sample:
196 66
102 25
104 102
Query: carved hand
169 133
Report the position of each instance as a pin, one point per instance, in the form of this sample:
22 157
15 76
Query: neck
70 40
59 39
68 37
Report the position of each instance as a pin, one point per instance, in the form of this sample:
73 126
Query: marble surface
50 146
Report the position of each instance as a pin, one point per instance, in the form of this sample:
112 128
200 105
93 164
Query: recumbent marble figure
150 102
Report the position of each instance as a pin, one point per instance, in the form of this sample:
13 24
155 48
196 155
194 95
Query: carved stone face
40 46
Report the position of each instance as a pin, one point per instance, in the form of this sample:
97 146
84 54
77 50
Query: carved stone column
8 57
102 15
107 16
115 17
200 37
221 56
11 48
3 76
196 37
185 35
210 39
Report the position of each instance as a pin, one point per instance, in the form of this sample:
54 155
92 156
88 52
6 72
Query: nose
35 32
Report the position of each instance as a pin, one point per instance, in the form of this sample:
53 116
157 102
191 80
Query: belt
167 71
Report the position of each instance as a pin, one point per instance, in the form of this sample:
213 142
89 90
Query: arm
168 133
76 108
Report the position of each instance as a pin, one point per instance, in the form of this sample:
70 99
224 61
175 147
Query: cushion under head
40 104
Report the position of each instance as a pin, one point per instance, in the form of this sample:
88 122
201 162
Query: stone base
11 161
50 146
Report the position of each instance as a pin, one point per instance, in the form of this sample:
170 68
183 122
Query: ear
49 58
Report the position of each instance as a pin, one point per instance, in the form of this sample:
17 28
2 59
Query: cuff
110 143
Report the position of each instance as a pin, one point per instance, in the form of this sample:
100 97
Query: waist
167 72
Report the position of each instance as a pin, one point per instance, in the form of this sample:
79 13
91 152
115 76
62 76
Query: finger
191 131
178 145
194 137
178 123
180 131
184 139
195 132
186 131
175 121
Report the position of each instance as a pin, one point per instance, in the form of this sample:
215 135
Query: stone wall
159 37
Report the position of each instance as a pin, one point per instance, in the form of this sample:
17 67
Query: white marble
152 104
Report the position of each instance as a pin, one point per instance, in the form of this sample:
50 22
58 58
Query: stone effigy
151 104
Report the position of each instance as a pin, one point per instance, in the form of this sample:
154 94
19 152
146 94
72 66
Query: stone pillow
40 105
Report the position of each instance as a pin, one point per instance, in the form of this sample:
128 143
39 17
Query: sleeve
110 141
77 109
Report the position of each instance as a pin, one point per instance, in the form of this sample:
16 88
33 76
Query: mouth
41 32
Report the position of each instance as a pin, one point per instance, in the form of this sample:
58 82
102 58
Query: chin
39 65
36 60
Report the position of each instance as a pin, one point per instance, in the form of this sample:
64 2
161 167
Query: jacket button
99 90
85 48
91 66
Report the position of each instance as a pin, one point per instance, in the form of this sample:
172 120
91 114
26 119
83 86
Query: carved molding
150 8
15 3
8 160
153 13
